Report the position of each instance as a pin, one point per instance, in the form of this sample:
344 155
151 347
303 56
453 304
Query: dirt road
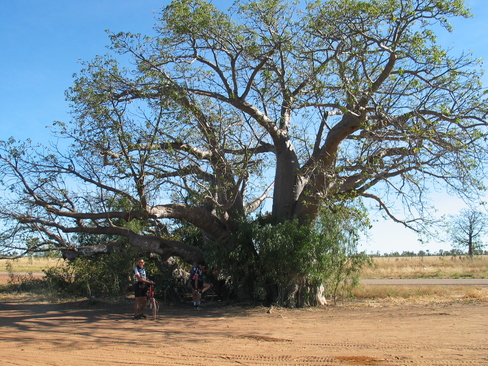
356 334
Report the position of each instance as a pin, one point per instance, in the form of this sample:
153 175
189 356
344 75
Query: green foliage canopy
316 101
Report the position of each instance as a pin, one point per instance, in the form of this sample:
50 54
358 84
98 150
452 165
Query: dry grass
384 267
420 294
428 267
28 297
424 267
29 264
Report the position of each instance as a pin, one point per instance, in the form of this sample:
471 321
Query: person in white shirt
140 290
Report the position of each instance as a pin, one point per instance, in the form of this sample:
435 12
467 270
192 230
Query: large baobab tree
221 112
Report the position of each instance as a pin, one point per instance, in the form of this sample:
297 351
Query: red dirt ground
356 334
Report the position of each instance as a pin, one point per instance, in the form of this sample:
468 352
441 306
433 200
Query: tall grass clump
33 287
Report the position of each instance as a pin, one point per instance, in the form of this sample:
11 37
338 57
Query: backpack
193 272
196 271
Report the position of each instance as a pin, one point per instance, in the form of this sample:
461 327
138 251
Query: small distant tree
467 229
408 253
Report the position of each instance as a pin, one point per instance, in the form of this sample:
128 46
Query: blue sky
42 42
469 35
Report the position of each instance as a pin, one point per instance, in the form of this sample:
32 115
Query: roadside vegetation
28 286
458 266
33 264
453 266
430 294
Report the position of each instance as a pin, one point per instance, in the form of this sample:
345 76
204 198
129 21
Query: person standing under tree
199 286
140 290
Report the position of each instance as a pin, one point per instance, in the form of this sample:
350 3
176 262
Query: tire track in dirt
397 346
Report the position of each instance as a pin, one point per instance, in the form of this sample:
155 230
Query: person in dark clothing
199 286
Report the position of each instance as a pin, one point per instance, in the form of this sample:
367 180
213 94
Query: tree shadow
65 324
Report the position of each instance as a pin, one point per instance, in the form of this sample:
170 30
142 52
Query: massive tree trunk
286 188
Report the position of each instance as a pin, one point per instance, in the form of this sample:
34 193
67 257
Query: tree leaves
319 101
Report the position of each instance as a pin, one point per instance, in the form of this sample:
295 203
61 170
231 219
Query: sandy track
82 334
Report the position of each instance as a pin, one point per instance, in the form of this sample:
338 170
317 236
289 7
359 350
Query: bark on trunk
285 190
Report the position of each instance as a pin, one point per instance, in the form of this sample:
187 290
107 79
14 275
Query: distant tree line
422 253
